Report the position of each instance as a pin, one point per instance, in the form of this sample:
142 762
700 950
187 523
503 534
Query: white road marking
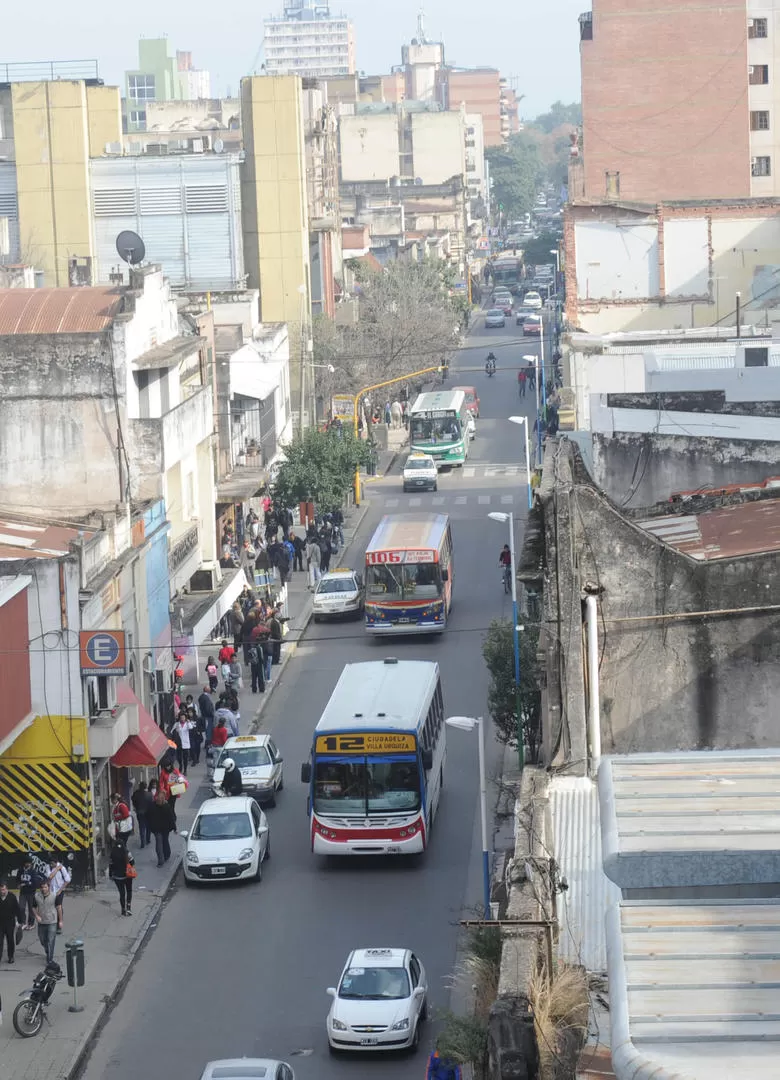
460 500
507 500
390 503
470 471
415 502
438 500
483 500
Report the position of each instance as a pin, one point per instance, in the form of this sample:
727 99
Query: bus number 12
344 742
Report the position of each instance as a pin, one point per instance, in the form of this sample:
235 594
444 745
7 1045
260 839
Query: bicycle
507 576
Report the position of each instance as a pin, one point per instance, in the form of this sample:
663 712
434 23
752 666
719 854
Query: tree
498 652
319 467
516 172
408 316
537 251
558 115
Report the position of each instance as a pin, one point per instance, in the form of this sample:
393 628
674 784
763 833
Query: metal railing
183 548
45 70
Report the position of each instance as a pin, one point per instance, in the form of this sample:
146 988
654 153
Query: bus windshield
440 429
364 785
404 581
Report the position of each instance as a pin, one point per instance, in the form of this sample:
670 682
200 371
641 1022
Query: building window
757 357
141 87
757 28
758 74
138 117
586 26
759 120
613 185
761 166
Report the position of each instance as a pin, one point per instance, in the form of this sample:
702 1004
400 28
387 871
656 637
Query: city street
232 971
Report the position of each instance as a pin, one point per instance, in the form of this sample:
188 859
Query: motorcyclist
490 363
231 781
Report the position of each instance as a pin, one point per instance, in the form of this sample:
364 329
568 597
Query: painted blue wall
156 527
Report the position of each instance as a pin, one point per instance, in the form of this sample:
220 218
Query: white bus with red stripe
377 761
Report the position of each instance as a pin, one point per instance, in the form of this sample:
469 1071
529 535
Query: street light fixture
468 723
557 254
499 515
524 421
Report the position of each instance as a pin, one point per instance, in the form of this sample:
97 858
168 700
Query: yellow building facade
57 126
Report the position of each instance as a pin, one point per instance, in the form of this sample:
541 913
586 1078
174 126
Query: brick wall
665 99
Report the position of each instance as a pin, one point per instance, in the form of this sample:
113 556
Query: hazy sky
535 44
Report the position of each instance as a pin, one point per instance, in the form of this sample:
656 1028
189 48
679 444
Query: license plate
369 1042
393 851
404 620
217 870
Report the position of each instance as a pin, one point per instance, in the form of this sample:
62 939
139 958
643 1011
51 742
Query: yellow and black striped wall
45 797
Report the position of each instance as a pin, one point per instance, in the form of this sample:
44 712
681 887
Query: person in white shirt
181 736
59 878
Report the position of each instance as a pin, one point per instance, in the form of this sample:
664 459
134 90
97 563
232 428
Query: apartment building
679 101
161 75
308 41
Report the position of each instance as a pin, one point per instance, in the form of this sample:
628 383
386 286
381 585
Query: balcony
111 728
182 548
164 441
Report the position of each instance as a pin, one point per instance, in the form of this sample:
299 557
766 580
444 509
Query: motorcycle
490 368
30 1012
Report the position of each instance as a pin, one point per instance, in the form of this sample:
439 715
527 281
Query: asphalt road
242 969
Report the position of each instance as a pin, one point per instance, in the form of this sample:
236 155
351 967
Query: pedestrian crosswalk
439 502
488 472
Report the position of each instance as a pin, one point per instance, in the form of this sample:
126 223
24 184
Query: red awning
145 748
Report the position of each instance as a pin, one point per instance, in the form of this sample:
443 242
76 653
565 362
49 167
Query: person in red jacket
120 813
226 653
220 735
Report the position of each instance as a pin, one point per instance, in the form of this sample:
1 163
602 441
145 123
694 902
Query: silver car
494 317
247 1069
339 592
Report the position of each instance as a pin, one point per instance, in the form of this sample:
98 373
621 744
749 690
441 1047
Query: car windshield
418 463
374 984
363 785
247 757
494 313
222 827
439 429
404 581
337 585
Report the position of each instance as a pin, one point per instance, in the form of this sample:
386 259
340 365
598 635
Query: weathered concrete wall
58 423
640 470
666 684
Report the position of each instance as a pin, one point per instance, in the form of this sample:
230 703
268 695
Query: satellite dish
418 181
219 146
130 247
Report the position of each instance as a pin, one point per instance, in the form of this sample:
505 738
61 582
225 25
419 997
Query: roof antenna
421 26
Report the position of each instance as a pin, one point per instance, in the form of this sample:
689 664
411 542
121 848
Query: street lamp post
524 421
499 515
468 723
539 380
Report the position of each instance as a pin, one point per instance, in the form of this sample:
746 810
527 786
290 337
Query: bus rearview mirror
427 760
306 773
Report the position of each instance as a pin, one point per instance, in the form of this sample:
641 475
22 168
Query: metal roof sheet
574 810
26 540
58 311
728 532
694 989
691 819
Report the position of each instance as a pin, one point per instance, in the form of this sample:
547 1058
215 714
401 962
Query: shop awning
145 748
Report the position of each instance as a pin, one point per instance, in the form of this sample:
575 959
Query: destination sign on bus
374 558
374 742
434 414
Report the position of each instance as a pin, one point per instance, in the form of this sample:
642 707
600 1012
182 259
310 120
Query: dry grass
559 1006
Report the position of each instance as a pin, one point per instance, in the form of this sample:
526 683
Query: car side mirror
331 991
427 760
278 759
306 773
419 992
262 830
185 833
445 575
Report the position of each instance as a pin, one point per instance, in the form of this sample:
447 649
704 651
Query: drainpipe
594 712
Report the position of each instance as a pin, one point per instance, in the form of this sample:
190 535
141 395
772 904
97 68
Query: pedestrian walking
30 881
121 870
268 658
206 706
168 777
196 736
181 736
45 912
161 823
221 734
231 718
324 542
338 525
275 637
212 673
257 667
59 879
121 818
299 547
522 378
142 801
10 918
314 562
236 614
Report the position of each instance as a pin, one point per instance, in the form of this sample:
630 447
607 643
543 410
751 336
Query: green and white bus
438 425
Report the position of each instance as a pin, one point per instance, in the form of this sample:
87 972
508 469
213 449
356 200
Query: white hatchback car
247 1069
258 760
229 839
420 473
380 1002
532 300
339 592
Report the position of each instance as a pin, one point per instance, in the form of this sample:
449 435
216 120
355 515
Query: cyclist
505 562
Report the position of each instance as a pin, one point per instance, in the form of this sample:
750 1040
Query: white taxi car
339 592
258 760
380 1002
247 1069
229 839
420 473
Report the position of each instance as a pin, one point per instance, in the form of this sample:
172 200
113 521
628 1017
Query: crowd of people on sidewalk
42 883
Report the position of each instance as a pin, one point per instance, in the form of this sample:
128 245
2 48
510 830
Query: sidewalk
111 942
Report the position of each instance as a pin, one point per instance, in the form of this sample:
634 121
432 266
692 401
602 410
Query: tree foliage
320 467
498 652
537 251
408 316
516 172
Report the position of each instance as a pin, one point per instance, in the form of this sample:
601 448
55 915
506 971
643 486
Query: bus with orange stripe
409 568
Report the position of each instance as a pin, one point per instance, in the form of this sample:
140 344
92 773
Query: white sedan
380 1002
532 300
229 840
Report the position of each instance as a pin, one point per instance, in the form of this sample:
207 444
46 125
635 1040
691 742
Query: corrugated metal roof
574 809
23 540
58 311
747 529
691 819
694 989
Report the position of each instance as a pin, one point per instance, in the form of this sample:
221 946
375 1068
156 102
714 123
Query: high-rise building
677 101
307 40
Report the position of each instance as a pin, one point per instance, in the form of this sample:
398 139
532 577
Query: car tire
423 1012
414 1046
435 487
267 854
187 883
316 618
280 785
333 1050
258 874
272 800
